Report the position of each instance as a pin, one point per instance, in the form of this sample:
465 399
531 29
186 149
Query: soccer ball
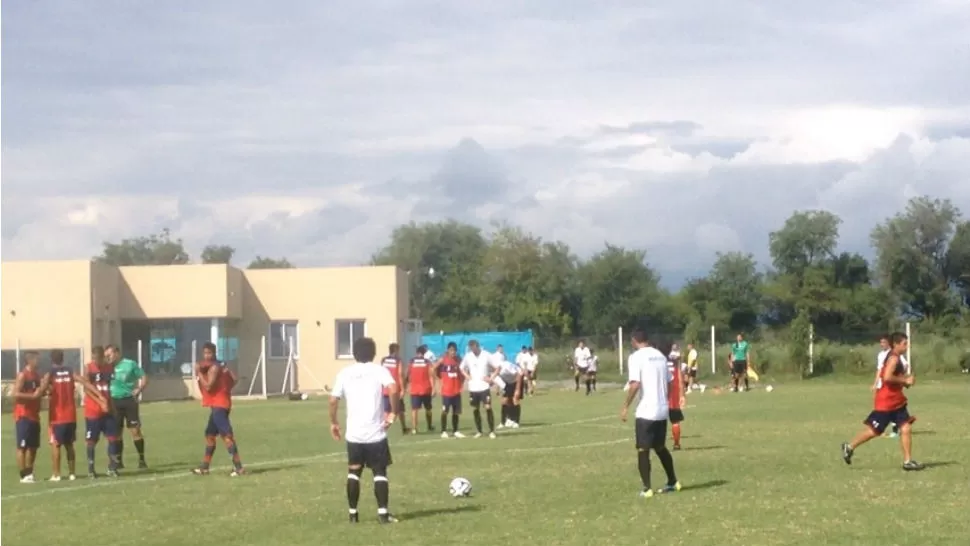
769 388
460 487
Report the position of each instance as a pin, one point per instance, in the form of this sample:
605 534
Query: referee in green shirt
740 351
127 382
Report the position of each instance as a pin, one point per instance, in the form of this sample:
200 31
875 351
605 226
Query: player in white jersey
691 366
581 356
522 361
512 378
480 374
591 367
532 370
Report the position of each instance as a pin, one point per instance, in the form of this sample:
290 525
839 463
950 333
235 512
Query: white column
214 337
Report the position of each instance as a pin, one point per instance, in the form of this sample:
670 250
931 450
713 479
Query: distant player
479 372
890 405
420 380
362 385
884 350
128 381
392 363
511 375
581 356
216 381
62 409
591 367
532 370
740 352
691 366
26 415
451 381
676 400
99 419
522 361
649 375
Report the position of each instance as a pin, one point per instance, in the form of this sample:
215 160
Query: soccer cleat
478 435
500 426
444 434
646 494
353 517
54 479
515 425
847 453
112 473
27 479
121 465
236 472
93 475
491 435
913 465
676 447
71 478
414 431
200 471
386 518
458 434
671 488
142 465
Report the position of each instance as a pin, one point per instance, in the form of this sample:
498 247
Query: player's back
100 377
361 386
675 388
392 364
419 373
649 367
62 403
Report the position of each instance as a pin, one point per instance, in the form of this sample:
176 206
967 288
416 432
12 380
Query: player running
99 419
884 349
420 379
392 363
62 412
26 415
890 405
480 373
128 381
216 381
451 380
676 400
511 375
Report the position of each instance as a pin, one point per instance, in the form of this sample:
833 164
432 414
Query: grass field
758 469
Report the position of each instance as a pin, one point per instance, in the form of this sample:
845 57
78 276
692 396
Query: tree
917 260
958 261
270 263
217 254
736 286
155 249
620 289
807 239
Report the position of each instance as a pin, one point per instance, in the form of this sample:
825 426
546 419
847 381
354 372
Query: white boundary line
109 482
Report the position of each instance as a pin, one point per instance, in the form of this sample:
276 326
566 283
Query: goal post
259 373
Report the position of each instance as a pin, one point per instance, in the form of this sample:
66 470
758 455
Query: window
280 332
349 331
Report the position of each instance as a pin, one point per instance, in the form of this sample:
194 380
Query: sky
311 129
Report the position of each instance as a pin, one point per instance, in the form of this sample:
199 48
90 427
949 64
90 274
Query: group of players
111 387
424 376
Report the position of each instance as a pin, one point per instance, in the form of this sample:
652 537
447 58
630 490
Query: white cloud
309 132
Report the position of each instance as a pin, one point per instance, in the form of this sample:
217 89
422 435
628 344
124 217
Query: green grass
758 468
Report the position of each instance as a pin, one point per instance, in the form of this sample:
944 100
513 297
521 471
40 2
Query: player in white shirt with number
649 375
477 365
361 385
581 356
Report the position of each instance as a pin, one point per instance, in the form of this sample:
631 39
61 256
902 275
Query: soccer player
740 350
691 366
448 371
26 415
362 385
99 418
511 376
420 381
480 373
676 400
62 410
649 374
532 369
128 381
392 363
593 365
216 381
890 405
522 361
581 356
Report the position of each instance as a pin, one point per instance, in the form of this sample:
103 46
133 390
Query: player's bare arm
44 388
394 394
142 383
91 390
233 378
631 395
889 377
18 387
209 379
333 410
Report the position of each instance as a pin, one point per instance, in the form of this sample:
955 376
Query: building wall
105 305
182 291
46 305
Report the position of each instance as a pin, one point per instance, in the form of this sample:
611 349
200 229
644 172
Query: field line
110 482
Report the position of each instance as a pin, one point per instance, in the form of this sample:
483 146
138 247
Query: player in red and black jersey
216 381
99 418
675 396
58 383
420 379
392 363
890 405
26 415
448 371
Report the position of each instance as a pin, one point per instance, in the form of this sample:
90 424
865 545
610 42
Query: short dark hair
393 348
209 345
884 336
57 356
531 349
898 337
364 349
421 349
473 343
112 347
524 348
639 336
452 345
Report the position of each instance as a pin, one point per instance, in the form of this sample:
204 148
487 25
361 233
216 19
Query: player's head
474 347
524 349
740 337
393 349
900 342
97 354
675 347
531 350
452 349
57 357
365 350
30 359
581 344
111 354
499 349
208 351
884 342
690 346
421 350
639 339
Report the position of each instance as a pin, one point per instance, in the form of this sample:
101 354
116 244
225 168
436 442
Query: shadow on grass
704 485
702 448
441 511
923 432
275 468
532 424
938 464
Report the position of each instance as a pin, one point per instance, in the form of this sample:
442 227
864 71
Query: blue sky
310 129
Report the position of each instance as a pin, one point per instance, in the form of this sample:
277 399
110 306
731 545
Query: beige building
280 320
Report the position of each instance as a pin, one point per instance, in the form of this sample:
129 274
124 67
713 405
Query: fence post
909 348
140 363
18 356
811 349
619 348
713 350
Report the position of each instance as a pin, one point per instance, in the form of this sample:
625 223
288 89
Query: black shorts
509 391
126 412
28 434
476 399
419 401
374 455
650 434
879 421
582 370
63 434
676 416
739 367
692 372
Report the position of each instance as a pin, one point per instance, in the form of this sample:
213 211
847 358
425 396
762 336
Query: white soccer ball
460 487
769 388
